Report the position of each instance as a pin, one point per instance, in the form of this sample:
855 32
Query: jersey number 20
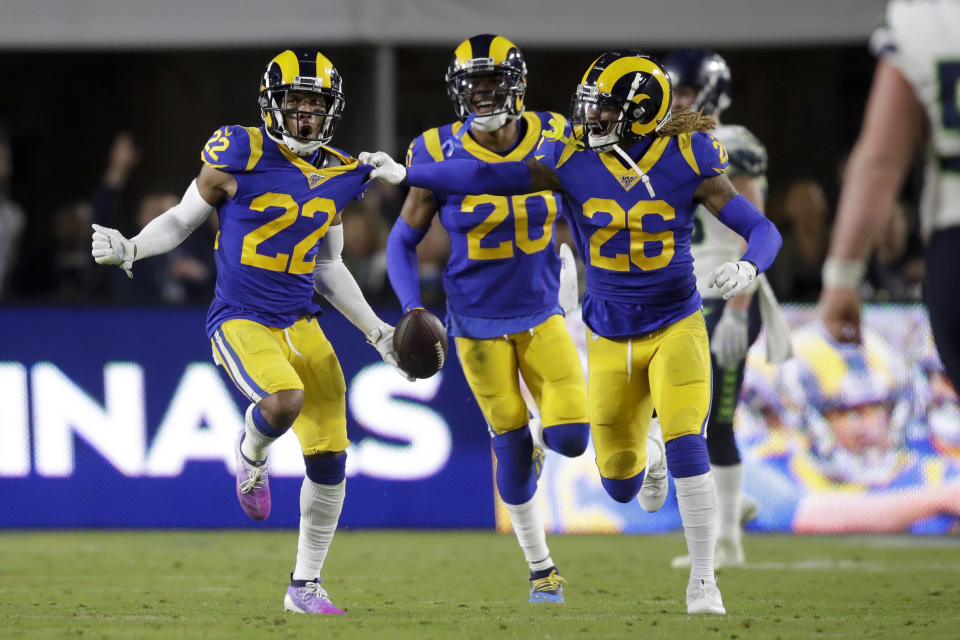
501 209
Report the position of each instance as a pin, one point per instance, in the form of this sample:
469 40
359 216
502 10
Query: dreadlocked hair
687 121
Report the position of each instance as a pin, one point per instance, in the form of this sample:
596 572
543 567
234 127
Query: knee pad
687 456
621 458
516 477
323 469
564 402
623 490
504 412
569 440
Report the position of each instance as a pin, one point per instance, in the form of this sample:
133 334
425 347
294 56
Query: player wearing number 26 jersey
278 190
501 283
631 179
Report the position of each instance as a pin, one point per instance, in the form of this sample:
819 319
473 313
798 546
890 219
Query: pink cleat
305 596
253 486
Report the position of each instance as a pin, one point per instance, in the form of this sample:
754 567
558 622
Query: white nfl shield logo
627 181
315 179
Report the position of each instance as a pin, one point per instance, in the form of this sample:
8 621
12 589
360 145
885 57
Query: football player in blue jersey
631 180
501 284
278 190
701 81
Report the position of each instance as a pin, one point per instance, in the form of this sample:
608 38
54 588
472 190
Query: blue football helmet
634 86
304 71
706 72
487 65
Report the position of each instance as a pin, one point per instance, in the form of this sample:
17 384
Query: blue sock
516 478
687 456
326 470
263 426
569 439
623 490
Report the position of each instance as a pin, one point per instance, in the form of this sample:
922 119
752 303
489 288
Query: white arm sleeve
170 228
333 281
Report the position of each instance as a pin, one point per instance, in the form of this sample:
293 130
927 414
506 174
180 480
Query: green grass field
400 584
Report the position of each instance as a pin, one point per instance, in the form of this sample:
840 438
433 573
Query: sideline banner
839 439
119 418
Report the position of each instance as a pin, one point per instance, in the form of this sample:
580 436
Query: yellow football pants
262 360
548 361
668 370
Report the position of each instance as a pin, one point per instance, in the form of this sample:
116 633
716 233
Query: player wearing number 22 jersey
501 283
278 190
631 180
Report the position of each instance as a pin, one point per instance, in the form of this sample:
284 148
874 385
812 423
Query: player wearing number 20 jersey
501 283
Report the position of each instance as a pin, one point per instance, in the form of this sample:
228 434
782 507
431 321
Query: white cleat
729 553
704 597
653 491
748 509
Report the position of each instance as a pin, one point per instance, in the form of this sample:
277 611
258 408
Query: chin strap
633 165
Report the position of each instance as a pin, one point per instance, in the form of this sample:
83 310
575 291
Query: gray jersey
922 39
712 242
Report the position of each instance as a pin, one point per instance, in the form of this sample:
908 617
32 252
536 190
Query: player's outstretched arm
720 197
468 177
333 281
169 229
893 125
407 232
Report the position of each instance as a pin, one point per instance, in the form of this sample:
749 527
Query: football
421 343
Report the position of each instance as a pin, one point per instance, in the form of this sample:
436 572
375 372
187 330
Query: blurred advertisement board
839 439
119 418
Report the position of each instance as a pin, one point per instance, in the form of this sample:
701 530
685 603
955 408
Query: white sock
697 499
527 523
729 481
654 457
320 506
254 445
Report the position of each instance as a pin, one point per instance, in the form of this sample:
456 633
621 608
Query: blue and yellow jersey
636 244
502 263
270 229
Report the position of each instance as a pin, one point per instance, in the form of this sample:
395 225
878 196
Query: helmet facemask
303 114
588 106
492 94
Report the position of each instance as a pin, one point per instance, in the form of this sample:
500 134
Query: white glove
728 344
569 287
386 169
110 247
381 339
733 278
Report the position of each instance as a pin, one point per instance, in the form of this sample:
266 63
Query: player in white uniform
915 97
701 80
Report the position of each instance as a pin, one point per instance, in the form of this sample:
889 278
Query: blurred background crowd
119 150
